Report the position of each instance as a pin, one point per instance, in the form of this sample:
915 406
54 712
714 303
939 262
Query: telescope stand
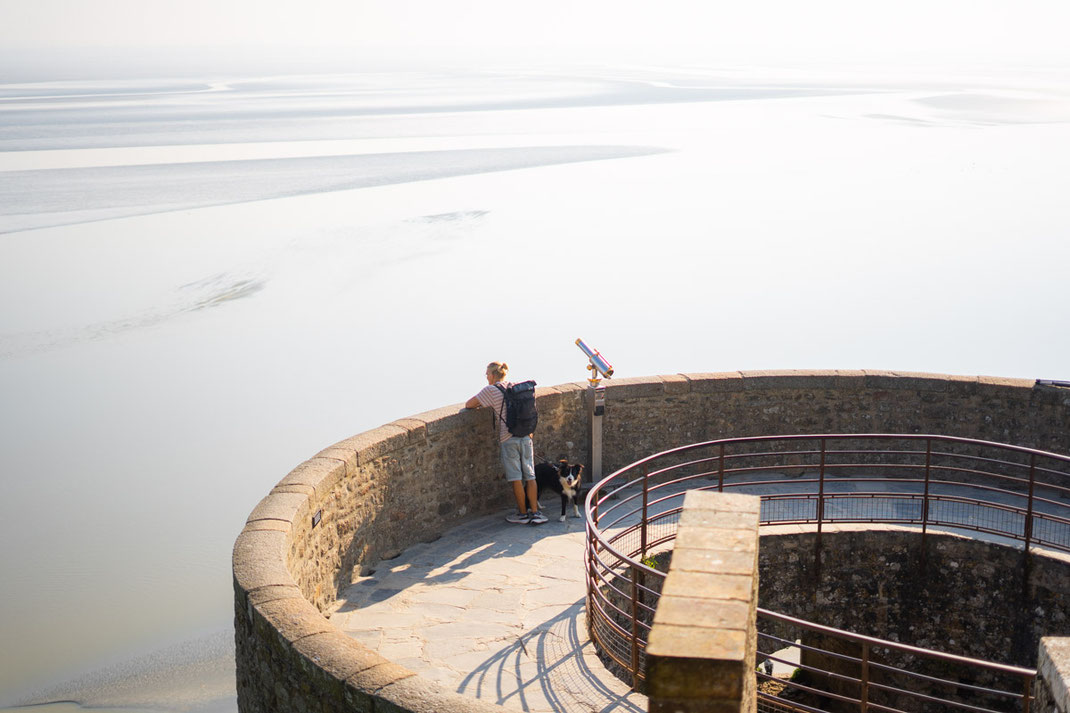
596 408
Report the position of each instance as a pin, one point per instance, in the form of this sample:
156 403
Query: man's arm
472 403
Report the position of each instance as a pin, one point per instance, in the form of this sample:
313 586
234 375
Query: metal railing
924 481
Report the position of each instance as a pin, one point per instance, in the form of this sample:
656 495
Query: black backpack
521 414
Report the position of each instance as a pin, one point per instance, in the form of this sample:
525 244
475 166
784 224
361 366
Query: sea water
205 281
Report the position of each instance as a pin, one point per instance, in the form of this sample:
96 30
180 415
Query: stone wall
945 592
375 494
354 503
645 416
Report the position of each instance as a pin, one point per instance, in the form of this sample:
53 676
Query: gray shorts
518 458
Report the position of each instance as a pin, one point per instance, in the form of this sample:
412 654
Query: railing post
591 571
646 496
863 695
635 628
720 471
821 491
1029 509
1027 692
925 497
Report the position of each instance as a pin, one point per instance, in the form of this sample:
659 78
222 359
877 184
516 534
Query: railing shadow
555 663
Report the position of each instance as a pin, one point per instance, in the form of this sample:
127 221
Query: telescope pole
596 408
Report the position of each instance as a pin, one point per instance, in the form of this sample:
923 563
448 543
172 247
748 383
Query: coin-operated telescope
600 368
598 365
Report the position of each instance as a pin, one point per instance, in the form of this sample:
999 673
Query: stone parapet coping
816 379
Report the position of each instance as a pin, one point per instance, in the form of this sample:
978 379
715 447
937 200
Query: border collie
564 479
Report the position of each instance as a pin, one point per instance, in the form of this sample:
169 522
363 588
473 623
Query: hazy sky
997 31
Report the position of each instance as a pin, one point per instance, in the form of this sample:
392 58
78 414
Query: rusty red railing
923 481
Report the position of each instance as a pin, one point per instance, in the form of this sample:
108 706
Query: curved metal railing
924 481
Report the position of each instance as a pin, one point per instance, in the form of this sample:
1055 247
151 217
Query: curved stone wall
945 592
372 495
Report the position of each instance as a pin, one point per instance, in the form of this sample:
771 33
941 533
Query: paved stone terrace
496 611
492 610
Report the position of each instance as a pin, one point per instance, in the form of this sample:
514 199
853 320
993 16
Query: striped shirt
491 397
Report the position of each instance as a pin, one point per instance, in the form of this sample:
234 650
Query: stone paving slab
492 610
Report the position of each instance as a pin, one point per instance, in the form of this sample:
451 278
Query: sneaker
519 518
537 518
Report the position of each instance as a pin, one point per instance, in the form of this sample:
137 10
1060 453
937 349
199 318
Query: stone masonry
371 496
701 652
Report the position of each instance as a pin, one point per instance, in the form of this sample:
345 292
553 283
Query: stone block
726 540
693 663
702 560
295 618
676 384
712 383
703 613
893 380
322 472
418 695
572 387
719 519
549 396
788 379
722 502
850 379
280 506
306 490
415 432
635 387
379 676
338 656
445 419
961 386
1053 665
272 592
1006 382
259 559
373 444
709 585
269 526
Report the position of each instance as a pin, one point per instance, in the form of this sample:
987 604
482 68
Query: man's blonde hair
498 369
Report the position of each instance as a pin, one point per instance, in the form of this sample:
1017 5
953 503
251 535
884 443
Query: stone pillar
1052 688
701 651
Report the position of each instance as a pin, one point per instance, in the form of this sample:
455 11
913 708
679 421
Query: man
517 452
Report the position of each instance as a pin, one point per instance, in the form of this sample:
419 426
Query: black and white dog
564 479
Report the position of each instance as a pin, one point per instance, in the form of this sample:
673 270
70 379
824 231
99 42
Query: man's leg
527 466
511 462
518 492
533 495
